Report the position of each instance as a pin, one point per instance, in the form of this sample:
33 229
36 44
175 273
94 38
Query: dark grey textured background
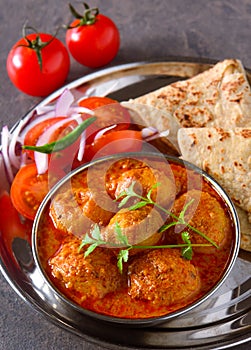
149 29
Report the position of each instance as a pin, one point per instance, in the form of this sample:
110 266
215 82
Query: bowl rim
151 321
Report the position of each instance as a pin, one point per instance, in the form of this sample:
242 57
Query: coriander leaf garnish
122 238
187 252
183 212
167 226
90 249
130 193
94 240
122 256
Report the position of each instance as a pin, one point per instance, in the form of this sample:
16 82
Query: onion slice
82 144
103 131
64 102
150 133
5 153
15 159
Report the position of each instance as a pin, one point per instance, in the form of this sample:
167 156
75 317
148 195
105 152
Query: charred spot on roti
240 166
222 169
246 133
222 134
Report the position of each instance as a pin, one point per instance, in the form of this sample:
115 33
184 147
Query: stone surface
149 29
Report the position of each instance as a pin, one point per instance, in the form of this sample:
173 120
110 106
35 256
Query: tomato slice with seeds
28 189
108 112
94 102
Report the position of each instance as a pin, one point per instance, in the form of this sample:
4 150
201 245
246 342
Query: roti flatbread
210 114
218 97
225 155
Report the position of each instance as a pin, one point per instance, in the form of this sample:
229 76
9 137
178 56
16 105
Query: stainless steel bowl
142 322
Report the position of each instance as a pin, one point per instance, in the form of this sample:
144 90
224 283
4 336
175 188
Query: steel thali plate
222 321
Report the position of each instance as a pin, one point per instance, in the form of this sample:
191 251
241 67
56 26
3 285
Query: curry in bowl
136 237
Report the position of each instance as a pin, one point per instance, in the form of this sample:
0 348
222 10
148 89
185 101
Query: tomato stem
87 18
36 44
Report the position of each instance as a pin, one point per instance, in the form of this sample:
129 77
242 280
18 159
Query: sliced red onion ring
45 109
15 159
147 132
64 102
5 153
82 144
103 131
41 160
150 134
24 159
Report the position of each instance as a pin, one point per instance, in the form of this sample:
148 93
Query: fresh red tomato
92 38
28 189
113 143
108 112
34 77
10 224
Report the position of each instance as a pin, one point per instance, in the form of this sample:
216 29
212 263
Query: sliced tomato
108 112
34 133
62 159
114 142
28 189
10 224
94 102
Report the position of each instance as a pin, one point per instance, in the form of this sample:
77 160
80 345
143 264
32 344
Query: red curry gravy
119 303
